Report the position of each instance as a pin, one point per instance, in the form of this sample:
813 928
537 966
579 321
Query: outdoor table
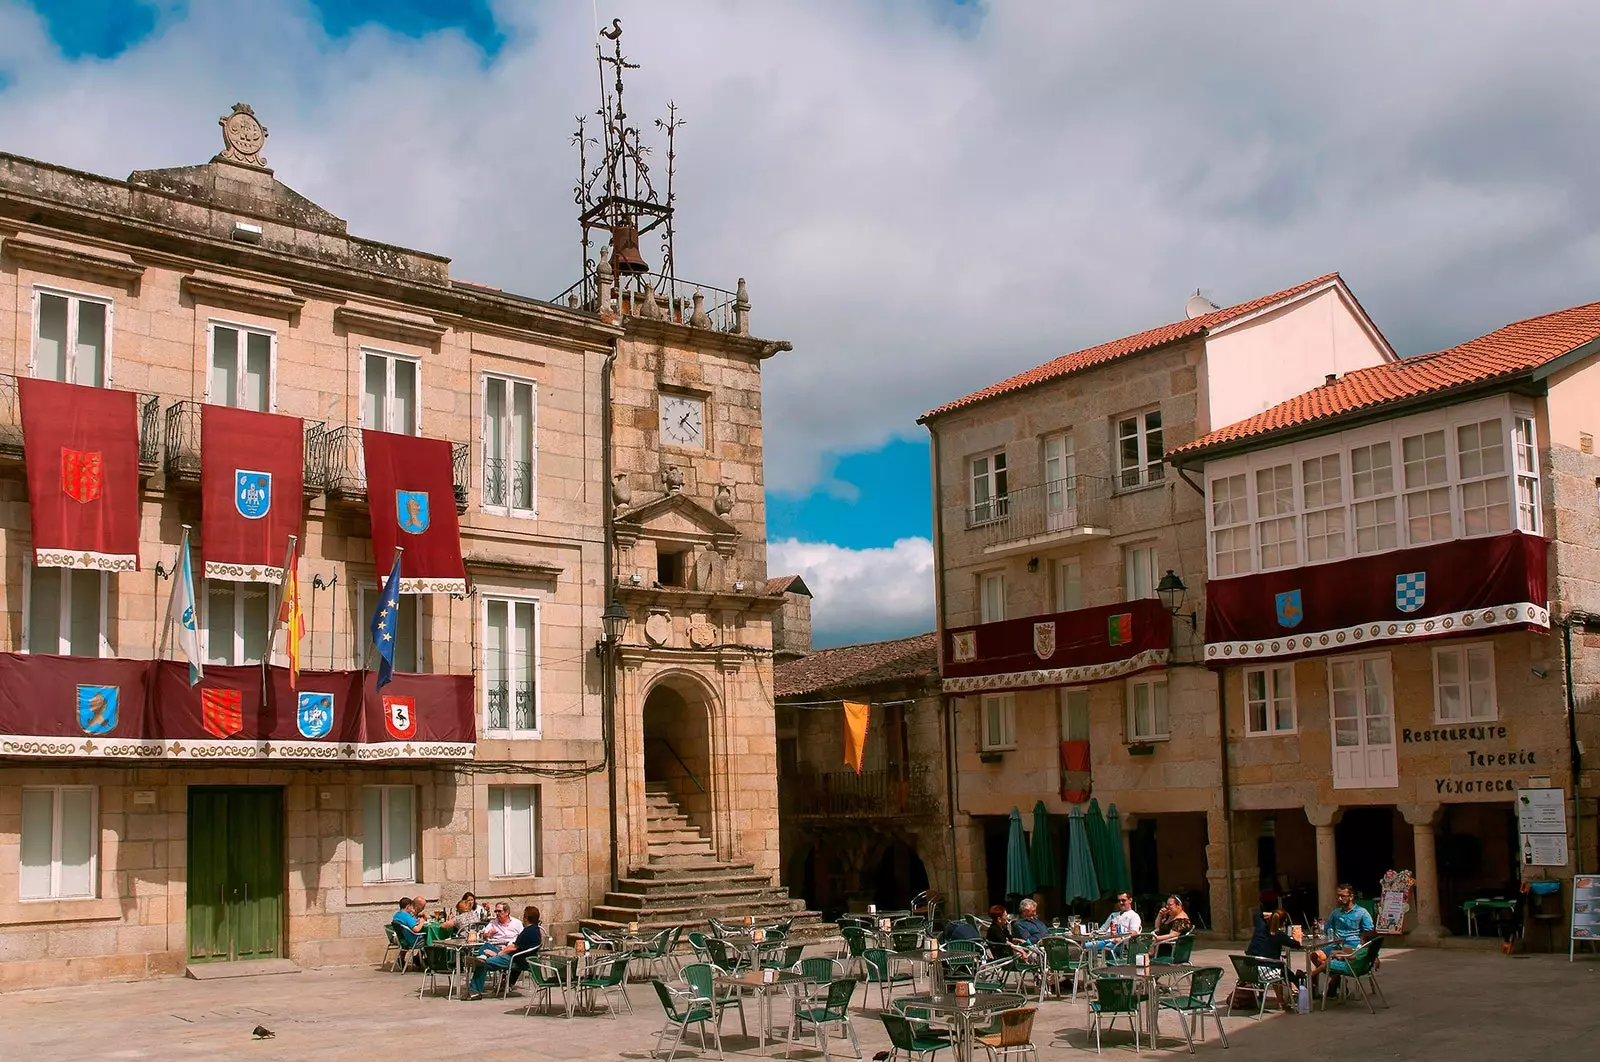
1151 977
919 958
572 966
1496 907
1305 947
437 931
756 982
462 948
965 1013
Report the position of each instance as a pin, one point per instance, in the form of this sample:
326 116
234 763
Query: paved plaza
1447 1004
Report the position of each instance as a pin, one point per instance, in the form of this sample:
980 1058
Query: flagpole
372 646
166 622
275 614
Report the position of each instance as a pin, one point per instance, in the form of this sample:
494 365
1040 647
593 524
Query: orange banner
855 734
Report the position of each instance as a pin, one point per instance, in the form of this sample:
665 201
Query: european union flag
385 621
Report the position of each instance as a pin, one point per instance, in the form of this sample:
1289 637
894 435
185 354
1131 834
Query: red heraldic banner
252 477
1461 587
1081 646
82 450
412 500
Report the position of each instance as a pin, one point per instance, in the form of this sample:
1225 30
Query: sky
925 196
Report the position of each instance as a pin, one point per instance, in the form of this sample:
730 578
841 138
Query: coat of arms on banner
252 493
314 715
411 508
1044 640
82 472
222 712
97 709
963 647
400 717
1119 628
1410 591
1289 611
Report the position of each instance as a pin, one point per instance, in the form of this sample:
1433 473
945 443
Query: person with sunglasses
1123 922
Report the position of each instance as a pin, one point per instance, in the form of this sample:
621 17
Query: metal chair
1064 956
659 950
1361 963
1197 1002
610 984
782 957
519 963
436 961
723 957
1181 950
1254 975
880 972
1015 1037
692 1011
547 979
903 1036
835 1010
1115 998
855 944
702 980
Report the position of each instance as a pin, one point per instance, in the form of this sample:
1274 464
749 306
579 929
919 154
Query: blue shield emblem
314 715
411 509
252 493
97 709
1289 611
1410 591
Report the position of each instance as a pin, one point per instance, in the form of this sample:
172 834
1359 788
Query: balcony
1045 514
507 484
897 792
695 305
336 454
149 407
180 442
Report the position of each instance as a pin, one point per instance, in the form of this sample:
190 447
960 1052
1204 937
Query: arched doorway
677 749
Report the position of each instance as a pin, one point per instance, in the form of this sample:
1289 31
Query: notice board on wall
1585 912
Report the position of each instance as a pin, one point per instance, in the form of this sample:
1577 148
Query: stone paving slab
1446 1005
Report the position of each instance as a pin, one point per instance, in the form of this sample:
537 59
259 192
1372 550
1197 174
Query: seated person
465 918
478 909
498 956
998 935
502 929
1123 922
1172 921
408 920
1346 922
1028 928
1268 938
957 929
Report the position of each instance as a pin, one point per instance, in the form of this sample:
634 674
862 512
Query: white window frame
1131 575
509 507
996 480
212 325
1322 511
1277 525
1064 705
64 644
1278 700
73 298
1150 469
536 828
1059 462
1427 491
1068 584
1152 683
385 839
512 601
991 597
55 893
1003 706
1528 511
236 657
390 358
1462 652
1391 778
1230 521
366 602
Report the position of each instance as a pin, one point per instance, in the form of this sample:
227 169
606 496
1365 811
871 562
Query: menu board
1395 890
1585 912
1542 811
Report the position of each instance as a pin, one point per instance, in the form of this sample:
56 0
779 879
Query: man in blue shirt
407 920
1027 927
1346 922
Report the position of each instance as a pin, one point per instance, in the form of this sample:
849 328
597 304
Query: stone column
1324 817
1429 924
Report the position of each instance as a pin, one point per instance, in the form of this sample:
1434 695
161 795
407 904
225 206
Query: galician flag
181 608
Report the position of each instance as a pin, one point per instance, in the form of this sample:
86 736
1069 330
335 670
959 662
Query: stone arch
680 722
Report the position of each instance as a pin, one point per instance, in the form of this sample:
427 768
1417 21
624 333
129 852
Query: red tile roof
852 666
1121 348
782 584
1517 348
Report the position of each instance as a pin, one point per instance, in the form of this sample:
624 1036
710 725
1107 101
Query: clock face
683 421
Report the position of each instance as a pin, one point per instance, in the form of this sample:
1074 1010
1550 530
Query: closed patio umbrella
1095 827
1121 880
1043 849
1019 875
1081 882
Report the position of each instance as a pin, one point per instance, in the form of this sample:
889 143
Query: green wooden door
235 872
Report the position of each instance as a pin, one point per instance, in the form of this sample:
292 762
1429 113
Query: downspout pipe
1574 754
946 704
608 656
1227 800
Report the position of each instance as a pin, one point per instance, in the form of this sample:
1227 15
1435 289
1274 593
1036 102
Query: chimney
1330 378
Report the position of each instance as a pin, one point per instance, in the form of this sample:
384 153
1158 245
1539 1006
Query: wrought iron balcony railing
181 444
149 407
697 305
337 454
507 483
511 706
889 793
1075 504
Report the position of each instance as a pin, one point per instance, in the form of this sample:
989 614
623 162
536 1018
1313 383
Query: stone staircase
684 883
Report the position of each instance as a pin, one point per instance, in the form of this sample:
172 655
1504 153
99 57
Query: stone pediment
674 517
245 189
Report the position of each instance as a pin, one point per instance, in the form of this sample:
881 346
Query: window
1069 584
389 833
1075 714
236 622
991 597
1230 521
989 491
1269 699
1363 723
1147 708
60 843
1277 531
71 334
1525 447
513 831
407 633
241 368
1060 483
1427 493
511 665
1140 572
1322 499
1463 684
671 569
391 393
66 612
1372 487
1139 449
509 451
999 722
1481 468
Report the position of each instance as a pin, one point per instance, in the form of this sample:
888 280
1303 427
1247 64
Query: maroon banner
1076 778
252 478
81 445
145 709
1450 588
411 498
1065 648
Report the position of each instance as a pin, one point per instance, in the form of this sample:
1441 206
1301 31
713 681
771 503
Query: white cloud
861 594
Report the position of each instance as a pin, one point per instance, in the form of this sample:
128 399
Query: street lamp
1172 593
613 622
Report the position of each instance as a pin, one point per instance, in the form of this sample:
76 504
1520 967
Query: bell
625 257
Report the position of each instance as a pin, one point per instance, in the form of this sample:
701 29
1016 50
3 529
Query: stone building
218 285
1402 584
1055 519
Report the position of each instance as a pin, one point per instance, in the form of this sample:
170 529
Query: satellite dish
1198 306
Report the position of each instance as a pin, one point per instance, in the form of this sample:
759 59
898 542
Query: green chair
817 973
610 984
436 961
1062 957
1135 946
909 924
1115 998
1177 951
1254 975
697 943
855 943
723 957
906 939
992 976
903 1036
1359 964
835 1010
398 948
547 979
881 972
660 950
783 957
702 980
692 1011
1029 961
1197 1002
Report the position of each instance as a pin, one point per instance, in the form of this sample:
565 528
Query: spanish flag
294 617
855 733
